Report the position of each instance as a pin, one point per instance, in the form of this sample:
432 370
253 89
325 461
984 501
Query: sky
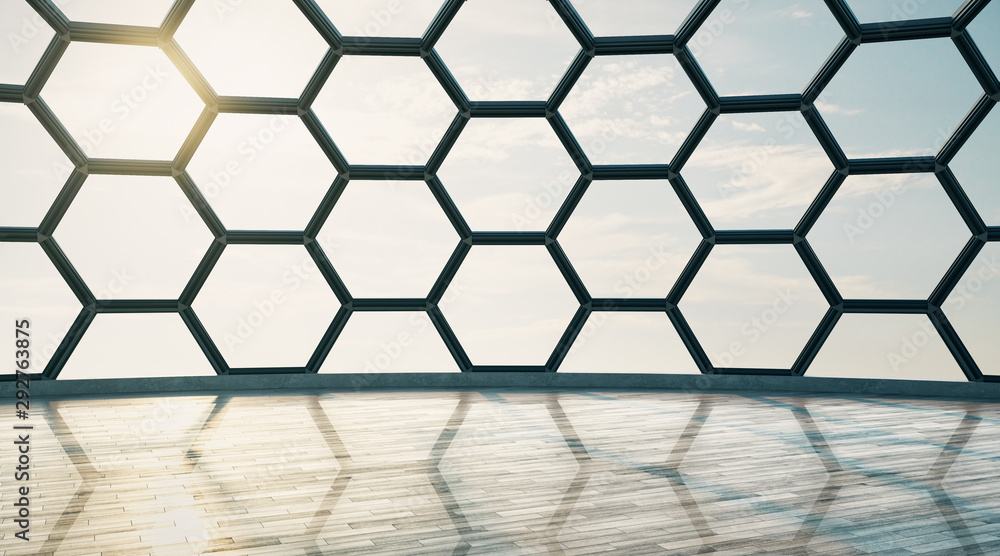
881 237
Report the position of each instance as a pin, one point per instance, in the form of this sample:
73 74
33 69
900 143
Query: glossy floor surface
507 472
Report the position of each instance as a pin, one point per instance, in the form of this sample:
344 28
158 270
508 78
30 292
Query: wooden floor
506 472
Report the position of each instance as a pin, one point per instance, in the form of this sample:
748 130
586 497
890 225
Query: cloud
830 108
780 183
747 127
794 11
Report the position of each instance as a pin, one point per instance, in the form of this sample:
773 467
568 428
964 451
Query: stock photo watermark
628 286
30 28
553 192
266 305
870 214
22 337
975 280
123 106
113 288
787 125
219 179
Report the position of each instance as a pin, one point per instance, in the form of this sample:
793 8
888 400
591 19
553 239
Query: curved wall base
507 380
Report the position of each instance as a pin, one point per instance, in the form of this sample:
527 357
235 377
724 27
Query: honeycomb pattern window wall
324 186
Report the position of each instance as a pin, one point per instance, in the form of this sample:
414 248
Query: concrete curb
556 381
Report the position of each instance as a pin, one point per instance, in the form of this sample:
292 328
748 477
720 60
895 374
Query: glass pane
871 11
132 237
388 238
266 49
886 101
629 238
34 291
974 308
149 251
890 236
632 109
149 13
757 170
122 101
384 110
27 36
753 306
975 167
633 17
628 343
985 31
511 305
380 18
508 174
757 48
478 49
266 305
132 346
885 346
33 168
261 171
389 342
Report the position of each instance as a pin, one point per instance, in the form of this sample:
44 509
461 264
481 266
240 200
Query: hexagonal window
611 18
136 345
889 236
265 49
33 168
899 98
629 238
146 252
261 171
266 305
511 305
972 308
975 168
632 109
508 174
478 49
614 342
379 18
749 48
757 170
27 36
885 346
123 12
388 238
384 110
753 306
890 11
122 101
389 342
34 291
984 30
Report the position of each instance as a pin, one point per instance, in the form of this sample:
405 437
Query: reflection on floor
510 472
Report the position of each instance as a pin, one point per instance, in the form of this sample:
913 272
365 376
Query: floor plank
513 472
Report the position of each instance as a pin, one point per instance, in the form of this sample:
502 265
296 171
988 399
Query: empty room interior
308 277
